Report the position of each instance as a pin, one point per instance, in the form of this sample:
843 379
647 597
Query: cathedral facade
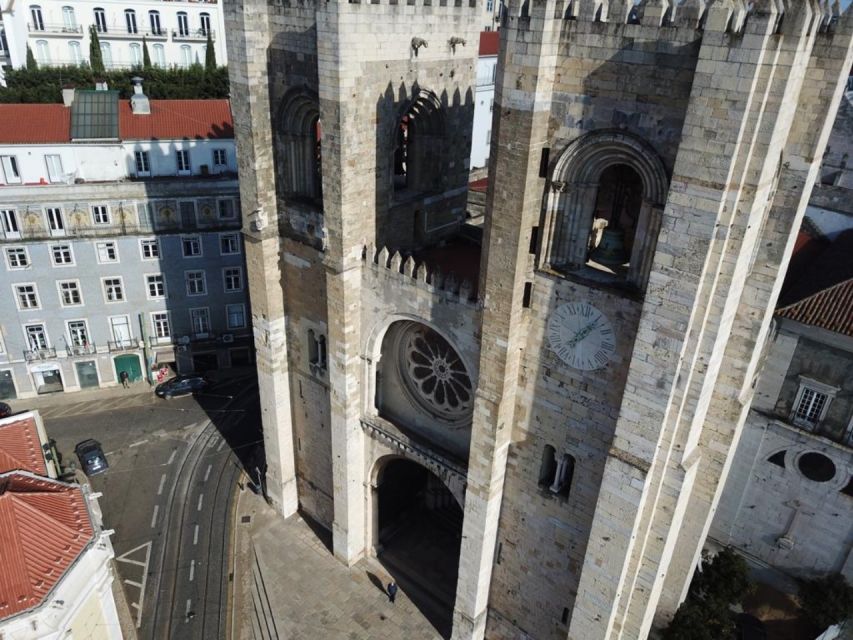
541 408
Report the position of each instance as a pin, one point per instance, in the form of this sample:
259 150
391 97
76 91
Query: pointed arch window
419 145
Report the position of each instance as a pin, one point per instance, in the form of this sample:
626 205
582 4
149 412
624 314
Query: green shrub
826 601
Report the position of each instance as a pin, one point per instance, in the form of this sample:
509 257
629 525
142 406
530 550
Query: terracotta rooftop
168 120
480 185
830 309
490 42
20 446
44 526
818 265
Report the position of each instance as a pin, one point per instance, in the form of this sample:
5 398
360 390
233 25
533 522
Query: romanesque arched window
300 136
604 208
419 145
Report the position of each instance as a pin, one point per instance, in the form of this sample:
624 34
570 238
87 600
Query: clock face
581 336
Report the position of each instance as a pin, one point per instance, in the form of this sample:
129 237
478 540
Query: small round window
816 466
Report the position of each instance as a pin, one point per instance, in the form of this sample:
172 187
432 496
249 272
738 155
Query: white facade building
487 65
57 32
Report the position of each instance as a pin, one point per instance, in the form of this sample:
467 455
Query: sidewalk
289 585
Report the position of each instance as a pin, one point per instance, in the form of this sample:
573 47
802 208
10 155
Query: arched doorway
418 537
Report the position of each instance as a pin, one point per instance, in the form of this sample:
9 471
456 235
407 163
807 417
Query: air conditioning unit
184 340
227 338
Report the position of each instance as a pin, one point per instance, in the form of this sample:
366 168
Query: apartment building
120 234
57 32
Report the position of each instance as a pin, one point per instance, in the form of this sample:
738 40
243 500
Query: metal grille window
113 290
143 163
236 316
191 246
61 254
100 214
17 257
229 244
196 285
156 285
233 277
150 249
107 251
69 293
27 296
183 158
810 407
160 322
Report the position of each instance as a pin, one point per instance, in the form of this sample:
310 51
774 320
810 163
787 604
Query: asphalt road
174 467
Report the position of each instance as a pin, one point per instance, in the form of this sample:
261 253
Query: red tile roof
813 270
830 309
20 447
44 526
176 120
490 42
34 123
480 185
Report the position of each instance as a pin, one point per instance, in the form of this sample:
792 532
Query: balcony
39 354
56 29
80 350
130 344
123 34
193 35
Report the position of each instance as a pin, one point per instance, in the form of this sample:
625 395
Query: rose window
434 373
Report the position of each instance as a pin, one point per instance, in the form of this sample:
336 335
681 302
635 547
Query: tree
146 58
826 601
96 59
32 65
209 54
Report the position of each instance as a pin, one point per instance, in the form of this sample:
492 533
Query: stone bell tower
566 383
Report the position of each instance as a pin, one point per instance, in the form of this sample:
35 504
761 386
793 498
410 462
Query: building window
69 20
154 19
100 20
37 18
100 214
196 283
186 55
10 169
135 55
160 323
229 244
69 293
113 290
235 315
106 252
143 163
220 159
107 54
233 279
55 221
78 334
150 249
191 246
36 336
316 349
156 285
183 24
159 55
183 159
17 257
200 321
301 137
27 296
42 52
130 20
61 255
811 403
420 135
204 23
76 54
226 210
9 223
555 474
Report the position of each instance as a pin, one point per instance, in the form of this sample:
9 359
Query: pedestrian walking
125 379
392 590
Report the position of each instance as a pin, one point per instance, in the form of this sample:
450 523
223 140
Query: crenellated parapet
418 274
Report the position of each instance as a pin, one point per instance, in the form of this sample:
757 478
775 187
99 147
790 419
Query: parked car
91 457
5 410
749 627
182 385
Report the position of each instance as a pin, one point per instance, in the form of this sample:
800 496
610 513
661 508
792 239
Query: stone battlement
419 275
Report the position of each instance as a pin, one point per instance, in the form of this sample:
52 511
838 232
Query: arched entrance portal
419 531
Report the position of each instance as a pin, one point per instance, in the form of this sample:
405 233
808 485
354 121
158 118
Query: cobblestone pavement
289 585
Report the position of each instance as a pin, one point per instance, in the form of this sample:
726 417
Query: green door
131 365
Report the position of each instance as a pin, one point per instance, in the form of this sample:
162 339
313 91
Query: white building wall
163 157
483 101
59 32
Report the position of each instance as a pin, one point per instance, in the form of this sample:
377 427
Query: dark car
182 385
748 627
5 410
91 457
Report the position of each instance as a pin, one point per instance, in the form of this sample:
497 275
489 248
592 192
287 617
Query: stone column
247 67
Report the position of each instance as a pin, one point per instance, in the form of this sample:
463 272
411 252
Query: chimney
68 95
139 104
101 84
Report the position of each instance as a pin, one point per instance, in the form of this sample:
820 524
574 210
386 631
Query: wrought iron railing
123 345
31 355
